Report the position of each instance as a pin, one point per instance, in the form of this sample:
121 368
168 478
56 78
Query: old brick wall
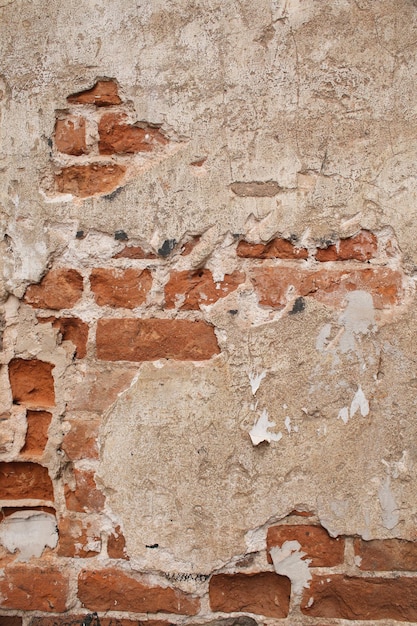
208 369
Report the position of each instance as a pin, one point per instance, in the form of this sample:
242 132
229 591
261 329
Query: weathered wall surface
208 370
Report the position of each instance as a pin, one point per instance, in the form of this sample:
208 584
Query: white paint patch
255 380
390 514
29 532
358 318
260 431
359 402
344 415
287 423
322 338
288 561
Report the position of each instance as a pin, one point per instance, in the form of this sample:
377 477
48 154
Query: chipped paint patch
390 514
29 532
255 380
260 431
358 318
289 561
359 402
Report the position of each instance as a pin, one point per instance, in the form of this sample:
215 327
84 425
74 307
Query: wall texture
208 370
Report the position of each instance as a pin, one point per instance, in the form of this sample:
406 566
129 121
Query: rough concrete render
208 370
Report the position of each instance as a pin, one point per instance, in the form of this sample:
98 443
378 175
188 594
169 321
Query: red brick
21 480
91 179
97 387
10 620
81 442
77 539
265 593
152 339
116 545
71 329
32 382
104 93
33 589
80 620
360 247
352 598
118 137
120 288
314 540
134 252
70 135
275 249
58 289
256 189
190 245
86 498
193 288
112 589
387 554
272 285
37 432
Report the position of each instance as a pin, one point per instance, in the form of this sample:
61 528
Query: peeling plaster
288 561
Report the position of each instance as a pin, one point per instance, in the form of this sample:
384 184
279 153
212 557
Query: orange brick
360 247
20 480
116 545
104 93
91 179
37 432
120 288
152 339
111 589
118 137
32 382
29 588
387 554
323 550
353 598
77 539
193 288
275 249
272 285
86 498
58 289
70 135
72 329
265 593
134 252
81 442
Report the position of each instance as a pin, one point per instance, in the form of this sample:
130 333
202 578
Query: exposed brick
118 137
256 189
275 249
86 498
190 289
77 539
71 329
387 554
116 545
81 442
190 245
10 620
33 589
323 550
91 179
134 252
360 247
58 289
32 382
70 135
328 286
21 480
152 339
97 387
37 432
120 288
265 593
80 620
111 589
353 598
104 93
